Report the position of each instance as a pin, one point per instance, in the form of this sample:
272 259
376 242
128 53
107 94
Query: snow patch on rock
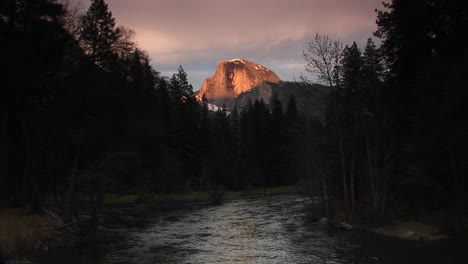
237 60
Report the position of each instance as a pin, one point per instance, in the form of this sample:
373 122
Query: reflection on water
260 230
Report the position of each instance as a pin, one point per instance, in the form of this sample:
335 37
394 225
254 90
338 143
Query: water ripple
262 230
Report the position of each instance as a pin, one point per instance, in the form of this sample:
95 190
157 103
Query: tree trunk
385 182
12 15
371 167
344 178
97 200
377 183
351 177
30 190
313 158
67 216
458 205
324 189
4 159
308 152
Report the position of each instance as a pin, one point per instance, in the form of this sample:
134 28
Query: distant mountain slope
310 98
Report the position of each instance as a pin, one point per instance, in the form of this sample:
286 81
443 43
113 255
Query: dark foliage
391 142
427 58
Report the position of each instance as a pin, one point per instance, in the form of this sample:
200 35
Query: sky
197 34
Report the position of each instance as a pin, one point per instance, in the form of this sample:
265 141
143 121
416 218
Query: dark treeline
427 60
84 114
394 140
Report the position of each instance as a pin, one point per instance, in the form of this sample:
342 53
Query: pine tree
179 87
372 67
372 77
277 114
291 110
236 126
351 68
142 76
276 145
136 75
98 36
204 132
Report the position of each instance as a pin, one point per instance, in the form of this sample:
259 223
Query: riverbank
389 249
262 229
21 233
412 230
426 225
195 196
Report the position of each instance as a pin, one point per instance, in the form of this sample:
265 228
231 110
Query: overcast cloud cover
198 33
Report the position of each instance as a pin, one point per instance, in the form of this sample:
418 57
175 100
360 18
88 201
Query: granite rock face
234 77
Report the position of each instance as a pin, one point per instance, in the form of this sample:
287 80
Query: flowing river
270 229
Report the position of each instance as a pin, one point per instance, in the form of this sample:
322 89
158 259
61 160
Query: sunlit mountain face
234 77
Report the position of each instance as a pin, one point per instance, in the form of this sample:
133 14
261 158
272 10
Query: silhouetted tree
179 88
236 127
98 36
323 59
291 110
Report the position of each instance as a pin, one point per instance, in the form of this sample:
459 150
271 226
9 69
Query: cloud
197 34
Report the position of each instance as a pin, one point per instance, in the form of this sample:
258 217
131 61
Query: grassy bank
22 233
412 230
428 228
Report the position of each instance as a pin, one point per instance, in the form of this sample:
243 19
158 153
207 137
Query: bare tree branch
323 57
